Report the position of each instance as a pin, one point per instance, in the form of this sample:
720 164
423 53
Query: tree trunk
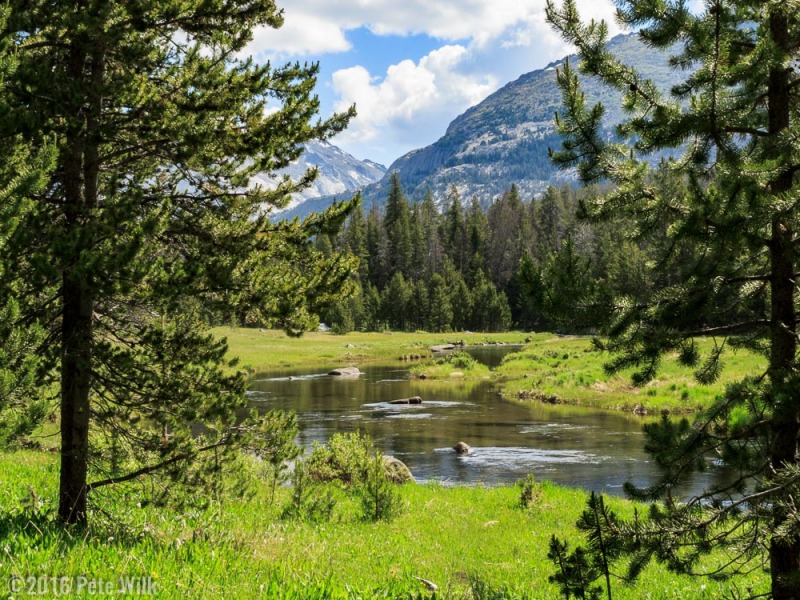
75 384
80 177
784 554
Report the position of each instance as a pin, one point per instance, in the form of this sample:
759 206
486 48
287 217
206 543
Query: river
570 445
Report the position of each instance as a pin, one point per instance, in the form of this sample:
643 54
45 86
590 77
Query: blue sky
411 66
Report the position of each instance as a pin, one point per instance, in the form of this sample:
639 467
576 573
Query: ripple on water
410 416
550 429
510 457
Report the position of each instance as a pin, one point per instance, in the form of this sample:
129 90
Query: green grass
262 350
569 370
240 548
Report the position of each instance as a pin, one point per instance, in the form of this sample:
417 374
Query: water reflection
566 444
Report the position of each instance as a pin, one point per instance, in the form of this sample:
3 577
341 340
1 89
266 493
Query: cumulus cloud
302 34
410 93
319 26
485 43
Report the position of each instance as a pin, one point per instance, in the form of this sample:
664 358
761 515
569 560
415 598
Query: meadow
472 542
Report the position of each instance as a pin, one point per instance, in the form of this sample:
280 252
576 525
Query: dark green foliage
380 499
529 492
459 360
132 225
344 458
725 243
607 541
273 443
575 575
311 501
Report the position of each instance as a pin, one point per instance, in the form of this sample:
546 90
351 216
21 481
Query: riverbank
549 368
268 350
471 542
569 370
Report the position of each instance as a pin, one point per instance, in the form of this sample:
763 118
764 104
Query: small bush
344 458
310 501
530 492
459 360
380 500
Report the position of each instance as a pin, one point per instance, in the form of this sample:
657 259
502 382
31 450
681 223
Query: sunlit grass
264 350
570 370
240 548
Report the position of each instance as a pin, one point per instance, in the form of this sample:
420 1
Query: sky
412 66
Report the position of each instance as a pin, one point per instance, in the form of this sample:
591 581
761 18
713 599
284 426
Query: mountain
505 138
339 174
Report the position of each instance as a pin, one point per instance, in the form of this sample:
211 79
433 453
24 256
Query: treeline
529 264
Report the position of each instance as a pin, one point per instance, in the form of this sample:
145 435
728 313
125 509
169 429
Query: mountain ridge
505 138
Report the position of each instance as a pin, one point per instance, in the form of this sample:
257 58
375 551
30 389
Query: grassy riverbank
549 368
263 350
569 370
470 541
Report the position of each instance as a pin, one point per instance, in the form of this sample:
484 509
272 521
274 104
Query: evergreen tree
147 223
429 221
376 248
395 300
397 223
478 238
738 115
454 230
354 241
441 311
23 173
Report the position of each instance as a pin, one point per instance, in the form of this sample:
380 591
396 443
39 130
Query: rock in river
346 372
396 470
412 400
443 347
462 448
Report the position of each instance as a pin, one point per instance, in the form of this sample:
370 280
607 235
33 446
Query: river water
574 446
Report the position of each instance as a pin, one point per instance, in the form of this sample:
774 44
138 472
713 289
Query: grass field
569 370
262 350
472 542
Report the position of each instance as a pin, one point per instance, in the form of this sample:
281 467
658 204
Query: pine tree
454 230
148 223
23 172
429 221
737 116
397 223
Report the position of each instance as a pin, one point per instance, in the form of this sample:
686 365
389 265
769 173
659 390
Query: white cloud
485 44
319 26
302 34
411 94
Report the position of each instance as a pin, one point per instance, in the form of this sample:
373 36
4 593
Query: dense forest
524 263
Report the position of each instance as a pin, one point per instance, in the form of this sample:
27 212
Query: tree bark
784 554
80 177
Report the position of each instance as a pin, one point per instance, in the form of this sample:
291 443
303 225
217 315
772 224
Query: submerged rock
462 448
396 470
346 372
443 347
412 400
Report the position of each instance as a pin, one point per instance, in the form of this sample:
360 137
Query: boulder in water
462 448
412 400
396 470
346 372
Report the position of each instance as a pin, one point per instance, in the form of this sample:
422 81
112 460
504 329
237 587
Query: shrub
459 360
380 500
530 492
344 458
310 501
